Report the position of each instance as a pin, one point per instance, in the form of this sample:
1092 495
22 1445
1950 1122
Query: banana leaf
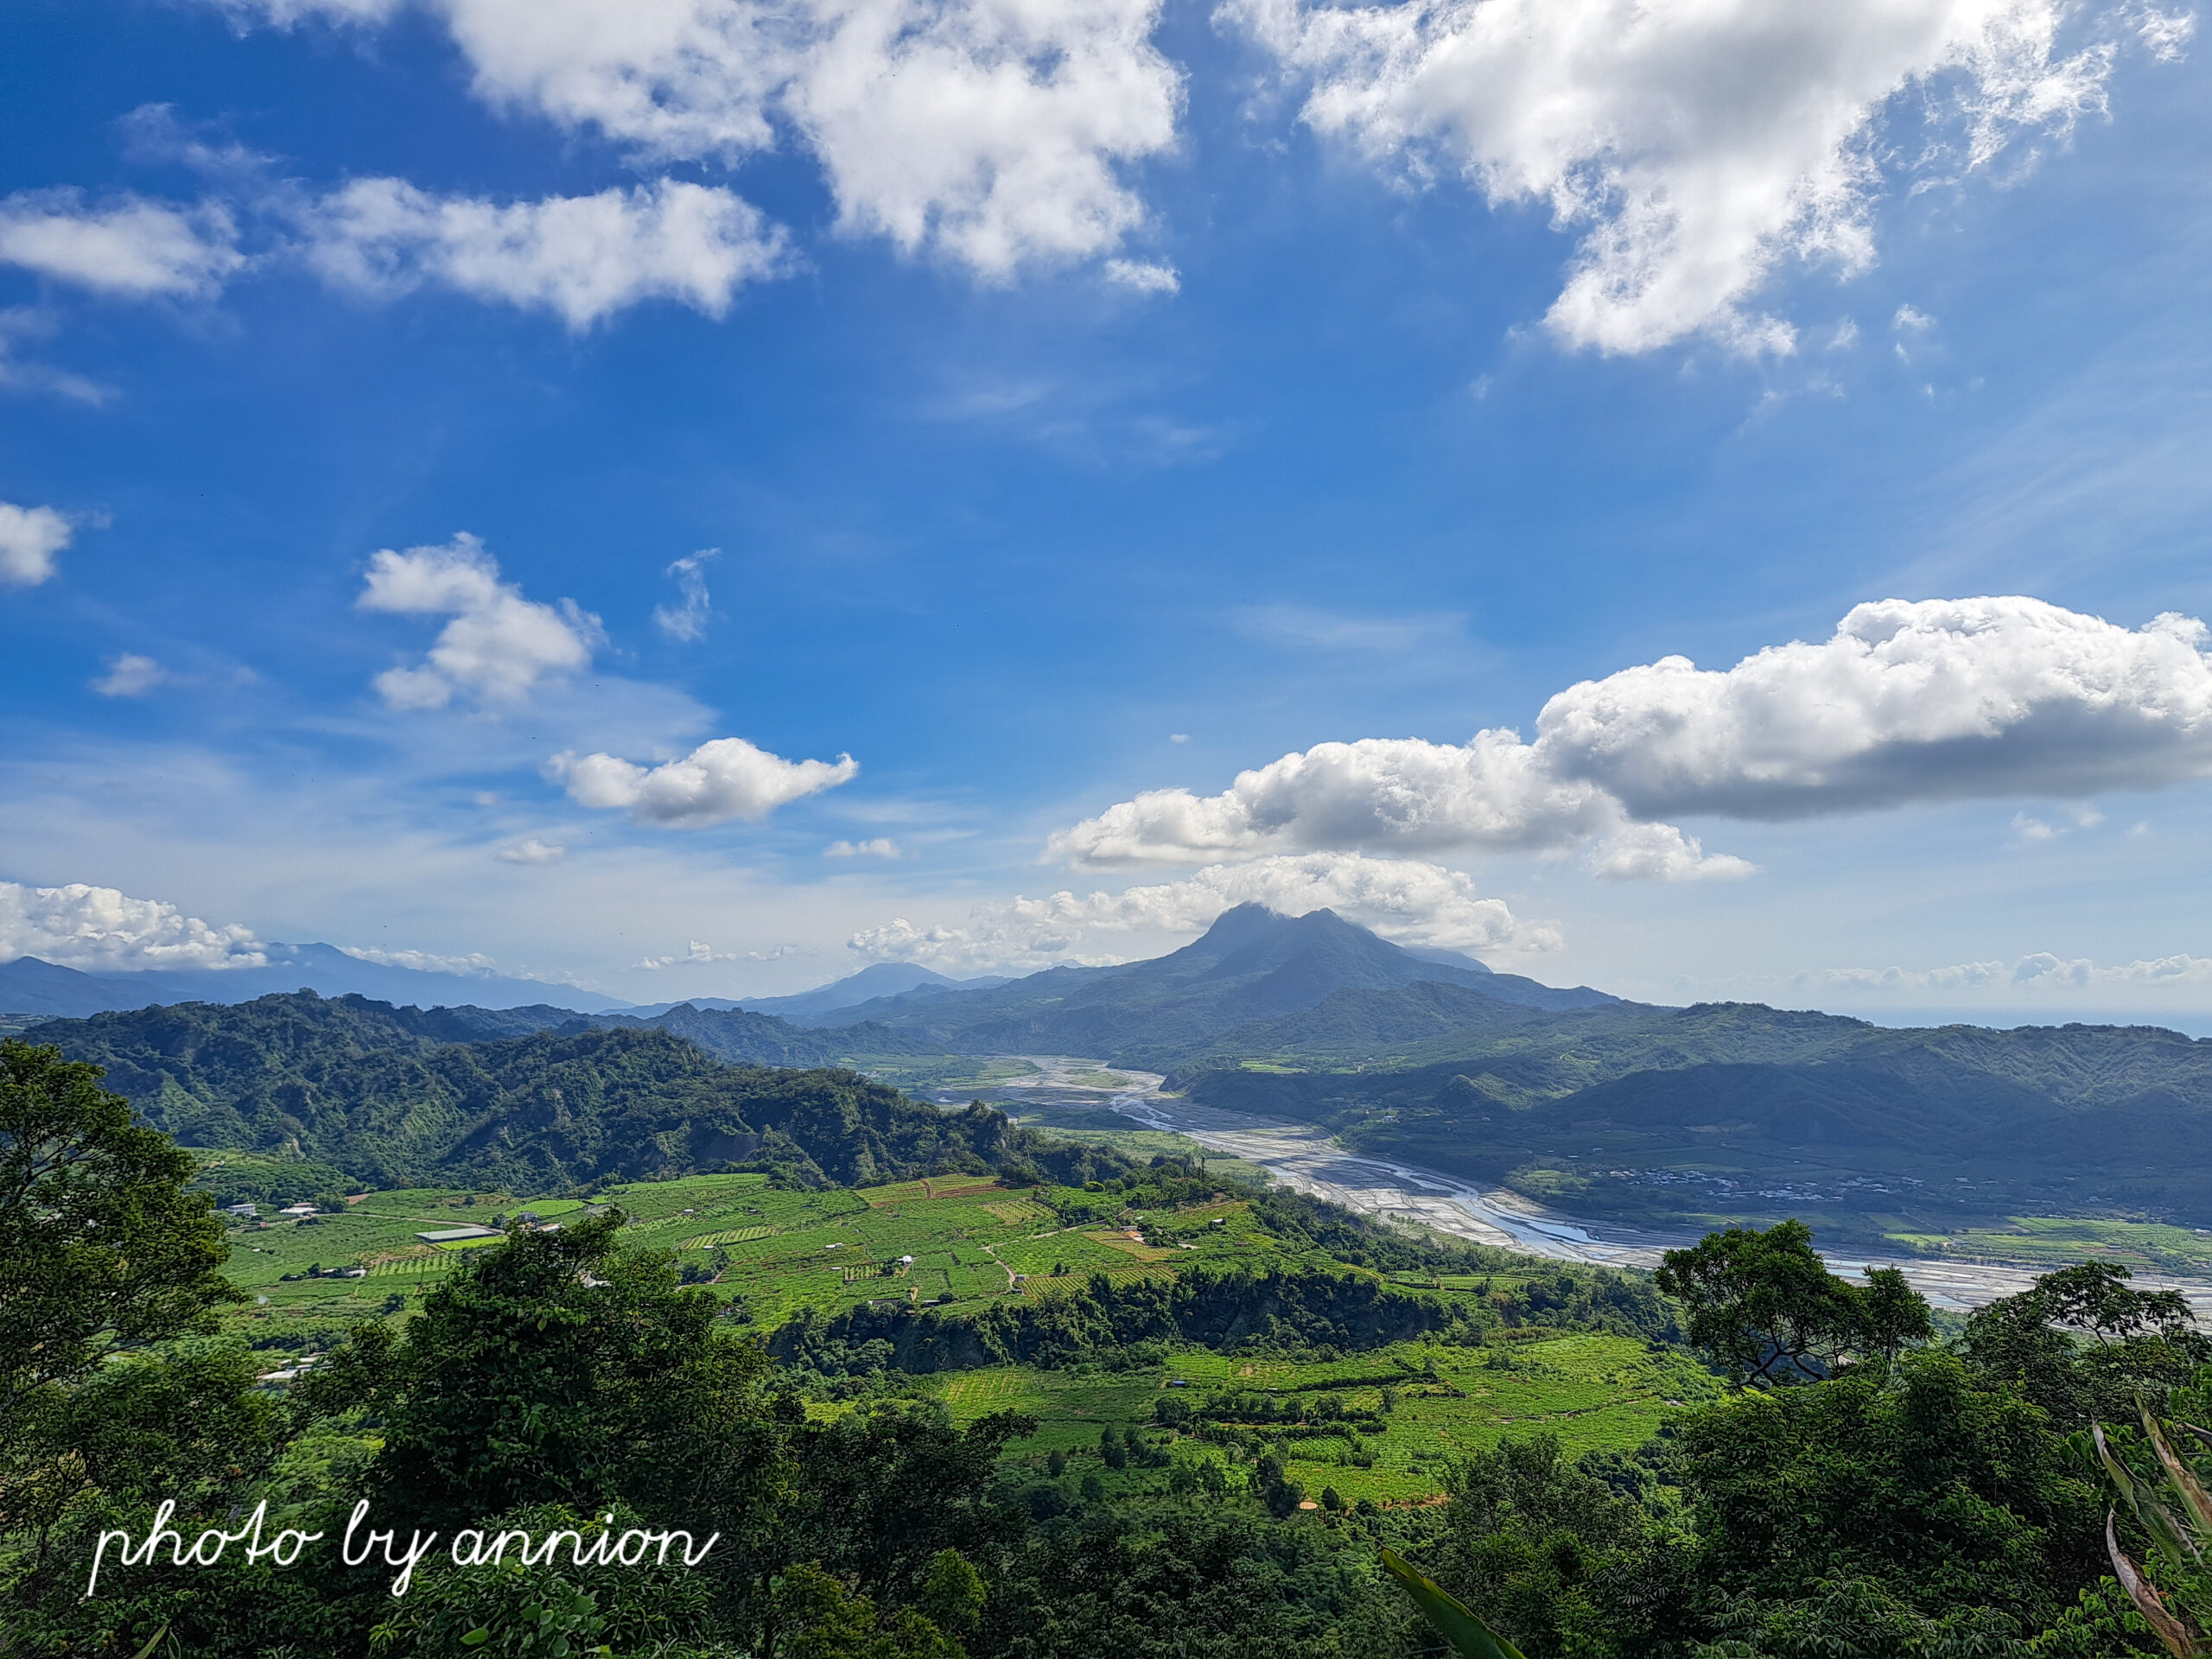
1469 1637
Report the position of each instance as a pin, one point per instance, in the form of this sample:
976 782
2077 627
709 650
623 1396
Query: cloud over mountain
1403 899
87 927
1933 700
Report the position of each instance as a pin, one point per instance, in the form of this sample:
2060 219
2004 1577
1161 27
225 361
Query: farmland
1378 1425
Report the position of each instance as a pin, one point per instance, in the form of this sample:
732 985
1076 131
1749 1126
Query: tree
2083 1344
1765 1307
1947 1495
101 1248
554 1369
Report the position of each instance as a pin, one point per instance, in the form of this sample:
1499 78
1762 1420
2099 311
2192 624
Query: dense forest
1857 1486
400 1097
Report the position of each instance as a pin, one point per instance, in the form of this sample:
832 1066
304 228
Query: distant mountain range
30 986
1601 1106
877 980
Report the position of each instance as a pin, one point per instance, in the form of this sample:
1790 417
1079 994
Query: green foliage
1224 1307
1469 1636
100 1248
2173 1510
1947 1495
2083 1344
1765 1307
356 1085
552 1369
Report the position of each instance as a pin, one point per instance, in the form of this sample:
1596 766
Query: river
1303 1158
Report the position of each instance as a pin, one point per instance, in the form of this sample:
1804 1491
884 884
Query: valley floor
1308 1160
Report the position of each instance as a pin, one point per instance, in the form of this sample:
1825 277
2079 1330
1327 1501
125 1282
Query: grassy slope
969 1236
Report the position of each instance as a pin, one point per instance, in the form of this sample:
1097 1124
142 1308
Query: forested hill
2098 1116
387 1095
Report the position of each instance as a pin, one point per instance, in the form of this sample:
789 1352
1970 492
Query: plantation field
2058 1241
969 1238
1394 1416
1593 1391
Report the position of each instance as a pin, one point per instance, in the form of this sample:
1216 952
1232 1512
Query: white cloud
688 621
132 248
1696 147
1936 700
533 851
129 676
2040 971
1146 278
1304 627
992 131
1402 793
1646 851
475 965
718 781
499 646
98 928
29 538
581 257
1411 902
880 846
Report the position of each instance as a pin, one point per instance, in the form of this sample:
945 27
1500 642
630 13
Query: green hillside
362 1088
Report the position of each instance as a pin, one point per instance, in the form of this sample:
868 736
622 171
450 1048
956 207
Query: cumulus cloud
688 621
499 646
532 851
29 538
1907 701
130 248
1694 147
992 131
581 257
880 846
129 676
100 929
1409 901
718 781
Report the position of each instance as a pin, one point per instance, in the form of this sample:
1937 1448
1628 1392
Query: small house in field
296 1210
457 1235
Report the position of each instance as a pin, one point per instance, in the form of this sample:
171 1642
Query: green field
970 1239
1593 1391
2057 1241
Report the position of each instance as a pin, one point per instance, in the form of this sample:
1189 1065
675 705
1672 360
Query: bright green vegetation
1774 1463
396 1097
2052 1241
1386 1426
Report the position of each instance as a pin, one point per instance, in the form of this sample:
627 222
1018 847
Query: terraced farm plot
1592 1391
735 1236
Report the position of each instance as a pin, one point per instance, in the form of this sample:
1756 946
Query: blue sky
1099 399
